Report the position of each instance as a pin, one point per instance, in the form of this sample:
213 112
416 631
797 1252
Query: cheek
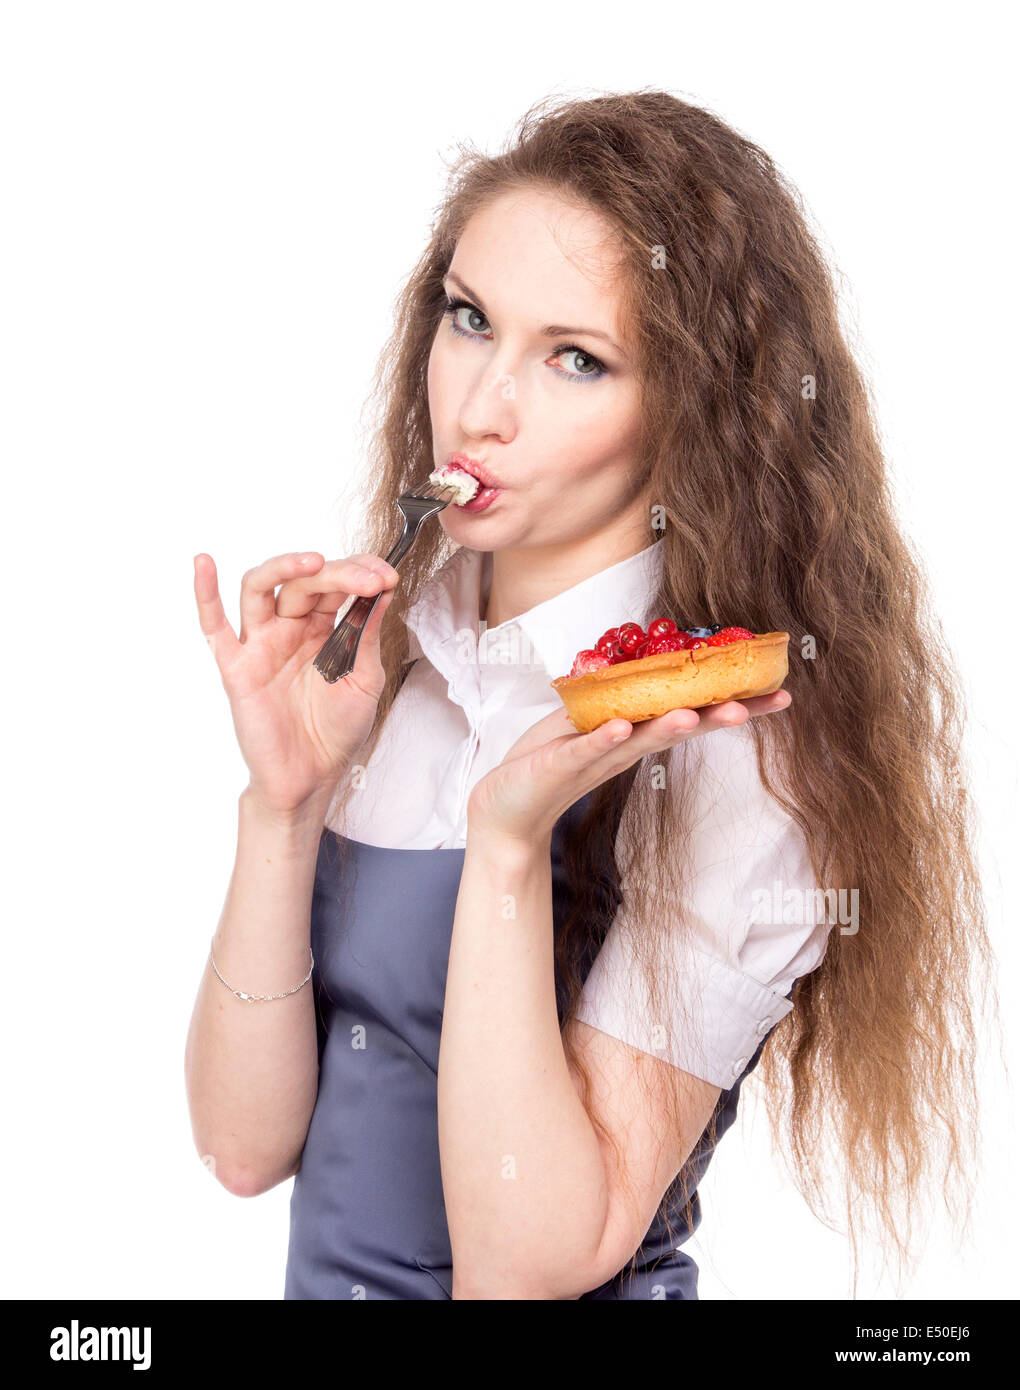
443 382
603 439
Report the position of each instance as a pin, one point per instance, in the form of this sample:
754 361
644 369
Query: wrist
298 821
499 844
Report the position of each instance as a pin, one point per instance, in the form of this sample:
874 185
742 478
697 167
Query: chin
465 527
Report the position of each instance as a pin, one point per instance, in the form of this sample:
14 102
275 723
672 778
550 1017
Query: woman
543 963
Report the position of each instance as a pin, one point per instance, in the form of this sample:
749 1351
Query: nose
490 405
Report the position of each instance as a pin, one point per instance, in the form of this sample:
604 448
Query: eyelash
450 307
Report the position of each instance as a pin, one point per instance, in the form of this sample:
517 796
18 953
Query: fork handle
337 655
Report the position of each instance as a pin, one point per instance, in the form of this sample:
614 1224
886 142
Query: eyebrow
551 330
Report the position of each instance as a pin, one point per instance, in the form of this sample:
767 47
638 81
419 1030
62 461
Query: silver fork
337 655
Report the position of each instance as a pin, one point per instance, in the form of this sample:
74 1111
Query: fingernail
308 557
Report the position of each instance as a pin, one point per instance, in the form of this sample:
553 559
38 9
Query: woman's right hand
297 732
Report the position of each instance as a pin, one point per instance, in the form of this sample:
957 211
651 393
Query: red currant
630 638
662 627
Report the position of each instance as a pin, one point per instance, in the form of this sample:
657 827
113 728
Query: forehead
542 256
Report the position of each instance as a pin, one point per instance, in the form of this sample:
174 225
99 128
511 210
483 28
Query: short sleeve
755 924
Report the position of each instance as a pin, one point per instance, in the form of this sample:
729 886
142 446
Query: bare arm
536 1205
524 1177
252 1069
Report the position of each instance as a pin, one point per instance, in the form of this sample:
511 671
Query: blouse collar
445 626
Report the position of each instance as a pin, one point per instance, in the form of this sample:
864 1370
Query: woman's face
556 427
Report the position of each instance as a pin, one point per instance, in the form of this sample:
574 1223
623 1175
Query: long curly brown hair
771 499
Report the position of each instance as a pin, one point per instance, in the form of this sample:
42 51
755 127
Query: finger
648 735
768 704
583 749
258 586
219 634
727 714
629 742
323 588
677 724
652 732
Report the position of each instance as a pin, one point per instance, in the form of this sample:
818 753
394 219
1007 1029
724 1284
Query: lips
472 466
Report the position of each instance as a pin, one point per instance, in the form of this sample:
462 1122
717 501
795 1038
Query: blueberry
701 631
713 630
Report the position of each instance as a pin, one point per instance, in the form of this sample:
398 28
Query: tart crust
653 685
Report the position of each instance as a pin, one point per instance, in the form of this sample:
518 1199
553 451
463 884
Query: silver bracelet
263 998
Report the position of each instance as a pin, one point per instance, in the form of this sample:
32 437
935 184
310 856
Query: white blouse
463 706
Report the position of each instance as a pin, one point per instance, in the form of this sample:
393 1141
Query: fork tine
337 655
428 490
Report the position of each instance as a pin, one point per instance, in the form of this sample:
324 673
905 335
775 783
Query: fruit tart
635 674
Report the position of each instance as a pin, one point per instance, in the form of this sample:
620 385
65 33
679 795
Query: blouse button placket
465 771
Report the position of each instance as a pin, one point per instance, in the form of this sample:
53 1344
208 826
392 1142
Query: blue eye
452 308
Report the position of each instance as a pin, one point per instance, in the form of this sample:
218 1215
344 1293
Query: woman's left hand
551 765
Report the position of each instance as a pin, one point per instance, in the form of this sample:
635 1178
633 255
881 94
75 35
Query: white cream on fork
467 487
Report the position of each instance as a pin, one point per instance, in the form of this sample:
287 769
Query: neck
529 575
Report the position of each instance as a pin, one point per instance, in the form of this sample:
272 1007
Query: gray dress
367 1218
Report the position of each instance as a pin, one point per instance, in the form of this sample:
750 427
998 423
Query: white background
208 209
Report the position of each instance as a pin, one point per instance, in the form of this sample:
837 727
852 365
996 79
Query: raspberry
727 635
672 642
588 660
